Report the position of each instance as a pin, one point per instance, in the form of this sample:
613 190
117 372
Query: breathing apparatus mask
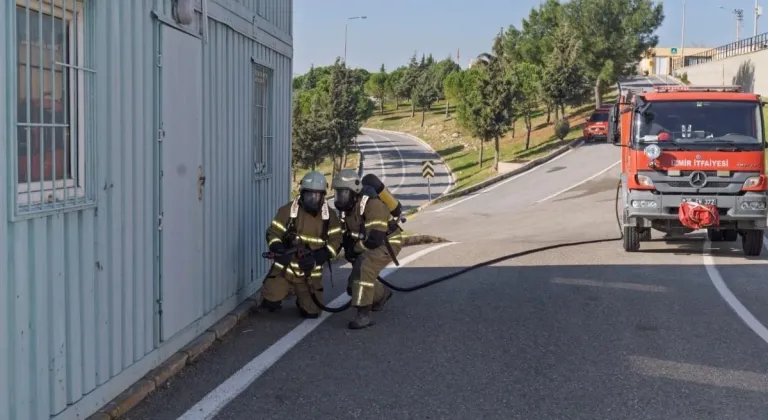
312 200
344 199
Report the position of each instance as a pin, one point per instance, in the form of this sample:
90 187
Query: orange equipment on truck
692 157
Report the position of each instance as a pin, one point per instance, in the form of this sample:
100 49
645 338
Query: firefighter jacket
370 225
293 226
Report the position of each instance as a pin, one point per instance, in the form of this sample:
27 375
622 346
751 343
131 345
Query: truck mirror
613 124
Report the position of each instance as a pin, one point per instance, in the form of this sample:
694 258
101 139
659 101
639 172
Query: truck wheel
631 239
715 235
730 235
752 242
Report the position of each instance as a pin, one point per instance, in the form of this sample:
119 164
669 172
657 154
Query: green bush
562 128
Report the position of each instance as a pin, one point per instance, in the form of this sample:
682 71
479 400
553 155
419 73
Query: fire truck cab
703 144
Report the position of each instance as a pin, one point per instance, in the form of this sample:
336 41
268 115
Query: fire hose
472 267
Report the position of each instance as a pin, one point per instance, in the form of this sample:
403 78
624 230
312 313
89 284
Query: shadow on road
528 331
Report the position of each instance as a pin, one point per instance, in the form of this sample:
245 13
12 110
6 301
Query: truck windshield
700 122
599 117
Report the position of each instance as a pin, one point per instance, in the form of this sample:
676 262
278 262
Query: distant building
659 60
471 63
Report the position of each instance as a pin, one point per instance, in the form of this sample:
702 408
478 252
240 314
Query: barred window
262 121
50 116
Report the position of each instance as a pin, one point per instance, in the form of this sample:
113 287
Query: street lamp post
739 13
682 40
757 15
346 24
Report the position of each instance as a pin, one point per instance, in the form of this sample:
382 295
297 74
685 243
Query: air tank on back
394 206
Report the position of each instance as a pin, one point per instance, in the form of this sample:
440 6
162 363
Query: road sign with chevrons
427 170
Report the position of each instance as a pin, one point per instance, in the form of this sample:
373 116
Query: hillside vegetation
524 97
461 151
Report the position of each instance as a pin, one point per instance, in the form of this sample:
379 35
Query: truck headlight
644 180
652 151
751 182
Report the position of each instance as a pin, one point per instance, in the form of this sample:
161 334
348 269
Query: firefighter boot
362 319
303 313
269 305
377 306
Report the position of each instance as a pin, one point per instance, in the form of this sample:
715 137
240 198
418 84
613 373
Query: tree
499 91
563 77
425 93
442 70
614 33
377 86
382 69
528 91
452 89
409 81
472 110
343 112
395 85
310 81
310 135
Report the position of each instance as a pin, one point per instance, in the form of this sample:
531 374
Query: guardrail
744 46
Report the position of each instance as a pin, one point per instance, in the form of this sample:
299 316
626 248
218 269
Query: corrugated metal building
142 158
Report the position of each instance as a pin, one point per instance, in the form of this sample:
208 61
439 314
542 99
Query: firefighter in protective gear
372 239
304 235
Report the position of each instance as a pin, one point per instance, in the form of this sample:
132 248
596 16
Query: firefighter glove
307 262
321 255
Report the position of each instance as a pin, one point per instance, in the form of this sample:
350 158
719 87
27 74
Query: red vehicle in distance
596 125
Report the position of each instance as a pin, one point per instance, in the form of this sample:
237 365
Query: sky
394 29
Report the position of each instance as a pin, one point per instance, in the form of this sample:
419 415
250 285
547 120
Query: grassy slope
461 152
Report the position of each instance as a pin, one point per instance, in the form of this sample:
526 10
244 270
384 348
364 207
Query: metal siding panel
6 287
115 196
57 304
74 292
86 309
89 321
128 205
21 355
40 264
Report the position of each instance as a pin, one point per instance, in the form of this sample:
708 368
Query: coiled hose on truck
484 263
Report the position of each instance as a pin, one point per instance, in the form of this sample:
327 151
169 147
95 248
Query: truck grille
686 184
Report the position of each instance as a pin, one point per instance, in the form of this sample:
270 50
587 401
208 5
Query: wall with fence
743 63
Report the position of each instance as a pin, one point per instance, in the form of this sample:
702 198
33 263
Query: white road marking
579 183
217 399
381 160
728 296
402 161
699 374
500 183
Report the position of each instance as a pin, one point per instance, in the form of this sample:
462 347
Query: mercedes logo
699 157
698 179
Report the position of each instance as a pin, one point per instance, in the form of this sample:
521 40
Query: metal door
182 180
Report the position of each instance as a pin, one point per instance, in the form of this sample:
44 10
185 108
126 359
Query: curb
488 182
451 178
155 378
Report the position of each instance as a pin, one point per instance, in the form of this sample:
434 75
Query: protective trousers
366 289
277 287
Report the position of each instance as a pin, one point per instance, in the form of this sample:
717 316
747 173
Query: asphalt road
397 160
675 331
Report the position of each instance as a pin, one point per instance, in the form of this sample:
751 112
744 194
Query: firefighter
372 239
304 235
